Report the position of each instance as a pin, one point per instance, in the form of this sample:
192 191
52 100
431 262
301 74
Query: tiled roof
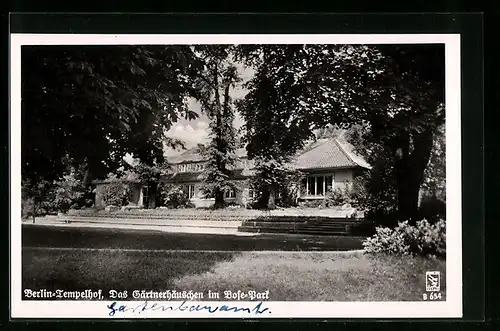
323 153
328 153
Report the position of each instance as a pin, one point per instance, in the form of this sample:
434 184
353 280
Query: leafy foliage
175 197
213 86
49 197
116 194
149 176
273 176
90 105
37 198
397 91
273 132
422 239
340 196
70 192
381 183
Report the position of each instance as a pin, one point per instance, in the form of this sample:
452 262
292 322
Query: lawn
301 276
53 236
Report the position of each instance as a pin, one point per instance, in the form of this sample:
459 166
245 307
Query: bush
38 198
174 197
338 197
27 208
423 239
70 193
353 194
116 194
273 175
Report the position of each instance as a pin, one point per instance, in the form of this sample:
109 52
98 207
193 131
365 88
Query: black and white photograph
236 176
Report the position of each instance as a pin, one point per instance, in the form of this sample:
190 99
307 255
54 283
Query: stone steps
337 226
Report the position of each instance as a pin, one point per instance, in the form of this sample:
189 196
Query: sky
196 131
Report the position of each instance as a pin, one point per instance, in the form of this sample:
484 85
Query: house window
317 185
189 189
229 194
182 168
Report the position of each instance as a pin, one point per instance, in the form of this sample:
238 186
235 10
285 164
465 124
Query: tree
70 192
379 181
116 194
213 92
37 198
331 131
149 176
276 184
175 197
272 131
406 102
396 90
90 105
434 184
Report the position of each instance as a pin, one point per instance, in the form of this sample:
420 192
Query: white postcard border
452 307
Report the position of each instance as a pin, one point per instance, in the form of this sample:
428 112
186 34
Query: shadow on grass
58 258
307 276
286 277
71 270
53 236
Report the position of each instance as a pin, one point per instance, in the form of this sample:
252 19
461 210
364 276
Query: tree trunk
34 210
218 193
271 203
263 199
410 169
34 207
219 199
408 188
86 177
152 195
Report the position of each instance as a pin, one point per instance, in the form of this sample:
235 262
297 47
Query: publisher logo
432 281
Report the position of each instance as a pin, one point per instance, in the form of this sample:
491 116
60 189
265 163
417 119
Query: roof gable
328 153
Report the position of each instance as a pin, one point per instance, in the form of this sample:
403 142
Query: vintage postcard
235 176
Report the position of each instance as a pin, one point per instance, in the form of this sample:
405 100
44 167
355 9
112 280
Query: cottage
327 164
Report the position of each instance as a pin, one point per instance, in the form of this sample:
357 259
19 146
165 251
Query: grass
51 236
319 277
304 276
